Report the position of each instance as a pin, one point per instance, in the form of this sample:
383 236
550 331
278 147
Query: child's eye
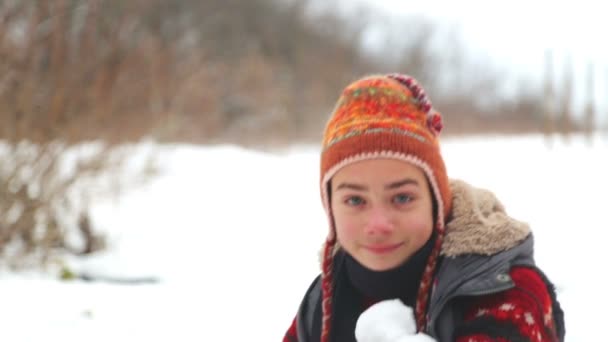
402 199
354 201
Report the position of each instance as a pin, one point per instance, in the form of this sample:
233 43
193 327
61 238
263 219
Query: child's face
383 211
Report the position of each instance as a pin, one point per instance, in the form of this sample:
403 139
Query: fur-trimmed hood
479 224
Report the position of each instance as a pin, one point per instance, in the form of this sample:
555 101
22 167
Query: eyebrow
390 186
398 184
351 186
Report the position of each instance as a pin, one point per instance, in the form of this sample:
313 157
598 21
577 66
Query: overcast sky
516 34
517 29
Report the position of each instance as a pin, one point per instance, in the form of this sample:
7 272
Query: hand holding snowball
388 321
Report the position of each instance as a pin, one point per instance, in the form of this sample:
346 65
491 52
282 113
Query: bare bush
47 191
63 81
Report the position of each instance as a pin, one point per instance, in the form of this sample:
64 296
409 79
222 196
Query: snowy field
232 235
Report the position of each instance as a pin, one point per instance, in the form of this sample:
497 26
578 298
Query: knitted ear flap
327 289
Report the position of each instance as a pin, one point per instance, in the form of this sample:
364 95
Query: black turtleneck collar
401 282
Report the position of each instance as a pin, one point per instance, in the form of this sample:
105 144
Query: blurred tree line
197 71
211 70
186 70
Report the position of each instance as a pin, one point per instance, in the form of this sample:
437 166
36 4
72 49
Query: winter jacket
487 286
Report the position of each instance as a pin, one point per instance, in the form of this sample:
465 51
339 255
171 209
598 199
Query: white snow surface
233 236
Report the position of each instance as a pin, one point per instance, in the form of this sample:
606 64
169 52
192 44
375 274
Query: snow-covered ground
232 235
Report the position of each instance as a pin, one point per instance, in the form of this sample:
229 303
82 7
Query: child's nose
379 222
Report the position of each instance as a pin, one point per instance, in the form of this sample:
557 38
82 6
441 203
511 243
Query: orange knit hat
387 116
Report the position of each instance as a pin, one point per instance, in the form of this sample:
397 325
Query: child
400 229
